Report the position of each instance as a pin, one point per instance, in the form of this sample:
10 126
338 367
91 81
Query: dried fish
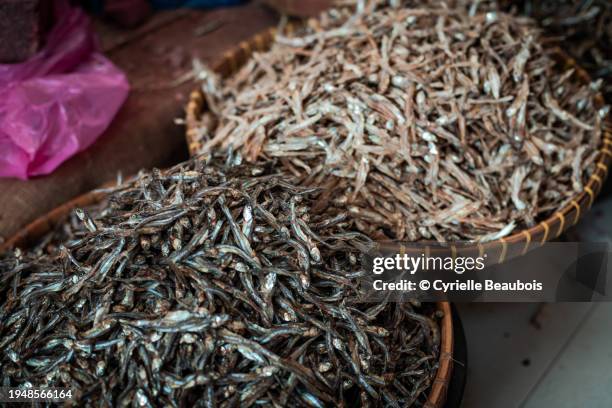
209 284
406 110
581 27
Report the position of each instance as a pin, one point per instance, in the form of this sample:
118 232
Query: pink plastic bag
57 103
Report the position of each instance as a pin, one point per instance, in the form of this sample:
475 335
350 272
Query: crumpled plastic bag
58 102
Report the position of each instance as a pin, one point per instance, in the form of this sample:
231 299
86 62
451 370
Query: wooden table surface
144 133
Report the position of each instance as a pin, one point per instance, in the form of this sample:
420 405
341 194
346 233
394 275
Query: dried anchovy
211 285
429 120
583 28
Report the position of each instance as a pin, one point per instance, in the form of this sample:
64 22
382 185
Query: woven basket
37 229
501 250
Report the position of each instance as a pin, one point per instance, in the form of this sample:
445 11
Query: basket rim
550 228
43 224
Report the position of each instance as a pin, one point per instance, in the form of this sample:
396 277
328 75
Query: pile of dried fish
428 120
584 29
209 285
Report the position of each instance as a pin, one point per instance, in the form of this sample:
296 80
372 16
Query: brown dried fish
582 27
393 103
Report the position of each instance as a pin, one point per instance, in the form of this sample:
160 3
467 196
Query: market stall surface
542 355
157 58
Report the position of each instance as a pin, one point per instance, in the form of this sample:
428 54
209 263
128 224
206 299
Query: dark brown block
20 29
